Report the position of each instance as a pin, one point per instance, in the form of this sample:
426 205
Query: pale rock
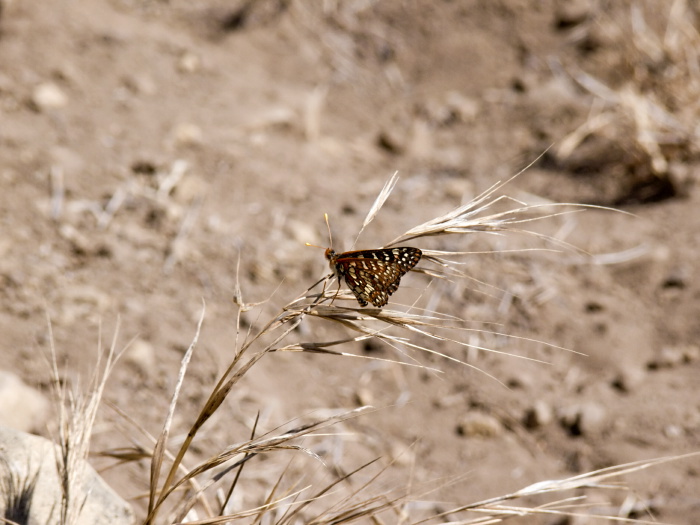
592 418
189 62
141 355
48 96
25 458
583 419
421 145
668 357
21 406
301 232
572 12
462 107
539 415
478 424
187 134
402 455
190 188
629 378
364 397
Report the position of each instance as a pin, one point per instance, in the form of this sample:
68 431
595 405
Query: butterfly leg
336 292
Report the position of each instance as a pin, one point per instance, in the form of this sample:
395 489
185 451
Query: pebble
80 243
592 418
672 356
421 145
673 431
364 397
573 12
142 356
21 406
629 379
189 189
187 134
583 419
393 140
402 455
302 232
189 62
539 415
48 96
464 108
478 424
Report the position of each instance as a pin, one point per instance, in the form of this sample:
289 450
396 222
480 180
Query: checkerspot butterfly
373 275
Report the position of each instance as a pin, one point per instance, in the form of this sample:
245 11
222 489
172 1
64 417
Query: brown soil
284 110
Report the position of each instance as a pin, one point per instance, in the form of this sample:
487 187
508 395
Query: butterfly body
373 275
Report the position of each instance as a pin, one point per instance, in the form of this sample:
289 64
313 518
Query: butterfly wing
373 275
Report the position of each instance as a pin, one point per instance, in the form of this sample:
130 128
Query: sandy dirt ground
153 154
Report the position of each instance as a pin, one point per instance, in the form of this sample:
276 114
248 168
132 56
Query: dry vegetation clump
184 488
642 125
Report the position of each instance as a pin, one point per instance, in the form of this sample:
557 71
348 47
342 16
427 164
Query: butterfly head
330 254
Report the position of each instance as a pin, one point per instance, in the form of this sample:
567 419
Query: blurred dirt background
148 146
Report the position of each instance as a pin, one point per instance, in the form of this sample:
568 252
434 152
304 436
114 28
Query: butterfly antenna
330 237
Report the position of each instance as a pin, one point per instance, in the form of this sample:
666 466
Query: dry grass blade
229 493
17 493
240 515
596 479
158 451
373 323
76 413
251 448
138 452
289 516
380 200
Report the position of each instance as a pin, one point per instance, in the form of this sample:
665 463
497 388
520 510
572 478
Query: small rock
301 232
141 355
629 379
364 397
392 140
572 12
673 431
464 108
478 424
189 62
21 406
583 419
141 85
190 188
187 134
678 279
521 380
437 112
48 96
402 455
669 357
691 353
80 243
592 418
448 401
539 415
421 145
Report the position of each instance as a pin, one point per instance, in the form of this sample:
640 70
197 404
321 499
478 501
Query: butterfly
373 275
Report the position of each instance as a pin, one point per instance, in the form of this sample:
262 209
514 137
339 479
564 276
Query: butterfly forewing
373 275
